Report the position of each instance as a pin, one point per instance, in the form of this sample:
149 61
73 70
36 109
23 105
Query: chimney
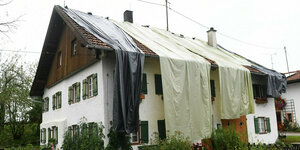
128 16
212 39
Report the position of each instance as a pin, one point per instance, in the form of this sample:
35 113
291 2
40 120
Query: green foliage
227 139
86 139
118 140
176 141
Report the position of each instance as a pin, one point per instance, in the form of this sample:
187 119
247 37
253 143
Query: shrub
227 139
176 141
118 140
87 138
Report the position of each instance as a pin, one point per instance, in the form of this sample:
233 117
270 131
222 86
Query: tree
15 103
7 24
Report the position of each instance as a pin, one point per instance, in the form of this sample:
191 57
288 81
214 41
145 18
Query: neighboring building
292 97
75 79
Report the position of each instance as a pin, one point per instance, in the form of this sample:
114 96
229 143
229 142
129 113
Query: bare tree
8 24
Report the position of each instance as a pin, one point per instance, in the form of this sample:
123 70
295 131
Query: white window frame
74 93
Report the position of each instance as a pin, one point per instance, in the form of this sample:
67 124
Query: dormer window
74 47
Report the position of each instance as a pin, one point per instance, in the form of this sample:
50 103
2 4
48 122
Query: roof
294 78
58 19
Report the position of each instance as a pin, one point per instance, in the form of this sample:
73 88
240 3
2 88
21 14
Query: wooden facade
65 61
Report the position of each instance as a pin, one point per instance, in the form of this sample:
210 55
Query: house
207 85
290 111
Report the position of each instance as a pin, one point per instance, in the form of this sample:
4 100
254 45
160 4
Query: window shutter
95 85
144 131
77 130
84 89
70 130
56 134
256 125
70 95
44 134
144 84
43 105
47 103
78 92
268 125
53 102
59 99
161 129
84 128
212 88
264 90
49 134
158 84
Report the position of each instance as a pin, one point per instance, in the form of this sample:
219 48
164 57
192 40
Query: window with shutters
135 137
262 125
90 87
46 104
74 93
54 133
56 100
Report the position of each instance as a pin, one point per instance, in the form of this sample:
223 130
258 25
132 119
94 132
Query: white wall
92 109
293 92
263 110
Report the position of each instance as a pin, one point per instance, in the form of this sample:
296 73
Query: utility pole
272 59
287 63
167 15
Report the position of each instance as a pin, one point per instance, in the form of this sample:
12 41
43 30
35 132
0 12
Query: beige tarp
186 92
235 80
185 79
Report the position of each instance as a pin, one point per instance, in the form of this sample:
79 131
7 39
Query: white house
292 96
75 77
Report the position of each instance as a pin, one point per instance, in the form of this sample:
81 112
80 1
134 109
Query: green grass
291 139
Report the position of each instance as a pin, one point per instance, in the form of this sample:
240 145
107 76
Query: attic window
59 59
74 47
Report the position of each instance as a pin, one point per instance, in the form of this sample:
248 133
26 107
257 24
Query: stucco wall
293 92
263 110
92 109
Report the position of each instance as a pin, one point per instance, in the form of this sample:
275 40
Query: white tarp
185 79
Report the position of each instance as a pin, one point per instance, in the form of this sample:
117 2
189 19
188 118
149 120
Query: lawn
291 139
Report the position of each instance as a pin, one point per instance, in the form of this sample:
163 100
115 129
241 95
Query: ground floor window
262 125
289 117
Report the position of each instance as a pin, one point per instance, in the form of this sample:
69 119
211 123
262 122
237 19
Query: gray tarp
276 82
128 68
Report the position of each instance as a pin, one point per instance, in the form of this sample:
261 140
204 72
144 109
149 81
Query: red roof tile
295 76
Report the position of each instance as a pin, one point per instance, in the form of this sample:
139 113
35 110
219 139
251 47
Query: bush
227 139
176 141
87 138
118 140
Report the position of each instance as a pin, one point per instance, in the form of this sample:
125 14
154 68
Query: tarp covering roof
128 68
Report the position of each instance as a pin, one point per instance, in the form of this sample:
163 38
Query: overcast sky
272 24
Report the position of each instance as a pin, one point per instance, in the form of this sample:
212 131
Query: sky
255 29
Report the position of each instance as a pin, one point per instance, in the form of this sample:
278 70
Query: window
289 117
90 86
54 133
259 91
74 47
43 135
56 100
134 137
262 125
74 93
158 84
46 104
59 59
